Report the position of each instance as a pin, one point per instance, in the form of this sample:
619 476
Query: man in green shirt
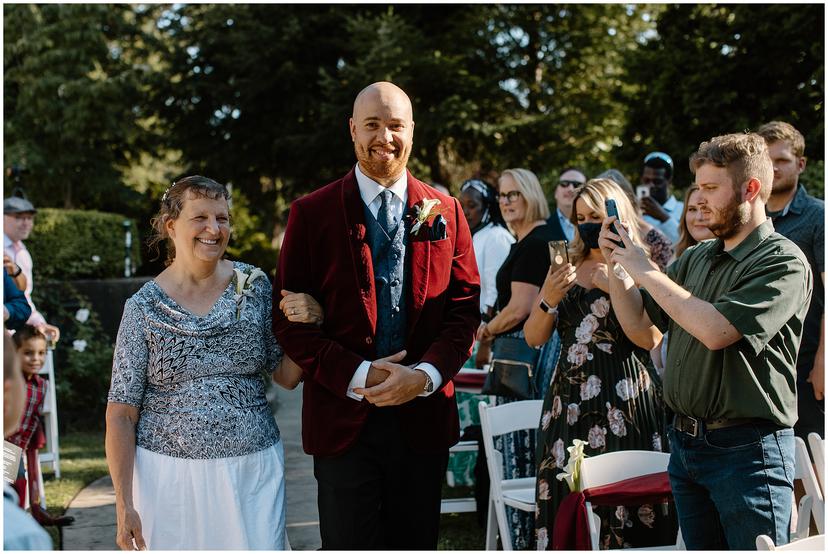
735 309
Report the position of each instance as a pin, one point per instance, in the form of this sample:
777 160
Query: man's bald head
383 92
382 128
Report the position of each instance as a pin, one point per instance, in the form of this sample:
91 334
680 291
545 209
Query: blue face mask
589 234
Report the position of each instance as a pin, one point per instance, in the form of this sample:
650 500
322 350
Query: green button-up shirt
763 288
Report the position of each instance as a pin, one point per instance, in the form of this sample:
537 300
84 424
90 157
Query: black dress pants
380 494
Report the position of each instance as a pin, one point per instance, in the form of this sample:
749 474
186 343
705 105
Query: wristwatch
429 384
547 308
18 272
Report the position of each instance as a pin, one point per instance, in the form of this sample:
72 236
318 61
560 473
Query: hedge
80 244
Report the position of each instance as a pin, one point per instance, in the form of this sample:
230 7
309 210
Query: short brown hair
173 202
744 155
779 130
25 333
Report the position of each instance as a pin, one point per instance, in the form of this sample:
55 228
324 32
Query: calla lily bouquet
572 471
244 288
425 212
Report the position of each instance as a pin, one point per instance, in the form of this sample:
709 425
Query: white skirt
233 503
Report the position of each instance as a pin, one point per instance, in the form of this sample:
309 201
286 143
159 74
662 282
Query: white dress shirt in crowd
670 227
491 247
20 255
369 191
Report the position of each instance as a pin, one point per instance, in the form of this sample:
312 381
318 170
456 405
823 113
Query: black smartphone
612 209
558 253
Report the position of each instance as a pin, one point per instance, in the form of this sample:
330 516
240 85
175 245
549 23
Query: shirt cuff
358 380
431 371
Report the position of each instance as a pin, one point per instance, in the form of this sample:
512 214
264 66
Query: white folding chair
804 472
517 493
817 542
817 445
612 467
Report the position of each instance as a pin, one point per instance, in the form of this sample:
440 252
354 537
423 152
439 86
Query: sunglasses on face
572 184
509 197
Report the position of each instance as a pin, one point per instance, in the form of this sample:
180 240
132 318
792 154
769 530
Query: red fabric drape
571 530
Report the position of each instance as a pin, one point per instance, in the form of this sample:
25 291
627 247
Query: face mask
589 234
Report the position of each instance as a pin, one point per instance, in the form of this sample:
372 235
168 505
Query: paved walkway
94 507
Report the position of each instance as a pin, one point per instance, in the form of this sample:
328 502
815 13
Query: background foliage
106 104
81 244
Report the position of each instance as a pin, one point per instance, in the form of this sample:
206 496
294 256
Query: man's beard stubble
732 218
378 169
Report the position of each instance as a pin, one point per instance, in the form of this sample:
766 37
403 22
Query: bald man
391 261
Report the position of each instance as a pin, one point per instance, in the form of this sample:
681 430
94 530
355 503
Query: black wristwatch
18 272
547 308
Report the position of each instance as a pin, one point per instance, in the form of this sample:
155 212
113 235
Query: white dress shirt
20 255
670 227
369 191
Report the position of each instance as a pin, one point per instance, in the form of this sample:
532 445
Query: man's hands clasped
400 385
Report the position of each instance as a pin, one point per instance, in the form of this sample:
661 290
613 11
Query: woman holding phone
602 392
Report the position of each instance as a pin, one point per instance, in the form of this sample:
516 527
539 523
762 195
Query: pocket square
437 229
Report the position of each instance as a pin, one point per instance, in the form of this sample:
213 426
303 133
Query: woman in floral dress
602 392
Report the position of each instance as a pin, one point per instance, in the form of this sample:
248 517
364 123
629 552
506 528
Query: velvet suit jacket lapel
363 264
420 250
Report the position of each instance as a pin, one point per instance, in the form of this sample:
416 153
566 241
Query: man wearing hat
18 219
660 210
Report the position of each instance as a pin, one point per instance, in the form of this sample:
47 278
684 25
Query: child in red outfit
30 436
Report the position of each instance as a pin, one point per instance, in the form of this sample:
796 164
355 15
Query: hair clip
164 197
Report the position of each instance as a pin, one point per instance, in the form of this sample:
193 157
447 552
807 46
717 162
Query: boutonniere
424 212
244 287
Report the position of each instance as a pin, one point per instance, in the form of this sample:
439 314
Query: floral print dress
603 394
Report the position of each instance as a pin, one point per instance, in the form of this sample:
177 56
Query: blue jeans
733 484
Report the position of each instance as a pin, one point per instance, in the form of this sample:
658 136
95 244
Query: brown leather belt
694 426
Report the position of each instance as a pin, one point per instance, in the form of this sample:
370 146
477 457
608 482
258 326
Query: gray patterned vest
388 256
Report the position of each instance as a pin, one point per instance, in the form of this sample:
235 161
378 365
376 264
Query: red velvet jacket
325 254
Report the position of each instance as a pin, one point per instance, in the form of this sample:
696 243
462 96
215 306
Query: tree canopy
105 104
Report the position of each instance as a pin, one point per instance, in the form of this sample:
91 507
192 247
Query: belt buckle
689 425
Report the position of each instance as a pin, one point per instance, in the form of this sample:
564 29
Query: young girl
31 350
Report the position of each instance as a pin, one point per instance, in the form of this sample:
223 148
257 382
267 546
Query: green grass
82 461
460 531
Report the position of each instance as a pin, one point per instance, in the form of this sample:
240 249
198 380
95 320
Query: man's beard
782 188
731 218
377 169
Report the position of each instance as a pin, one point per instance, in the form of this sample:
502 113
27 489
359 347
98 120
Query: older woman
602 392
192 445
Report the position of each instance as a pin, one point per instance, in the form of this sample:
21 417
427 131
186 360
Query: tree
716 69
74 82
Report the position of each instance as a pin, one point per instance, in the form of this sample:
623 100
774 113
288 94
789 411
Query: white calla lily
571 473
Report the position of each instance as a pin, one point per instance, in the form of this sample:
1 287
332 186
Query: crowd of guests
684 326
616 385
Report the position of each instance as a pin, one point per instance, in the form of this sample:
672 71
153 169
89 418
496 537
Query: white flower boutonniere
424 212
244 282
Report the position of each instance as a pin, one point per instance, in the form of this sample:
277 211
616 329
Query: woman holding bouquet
191 442
602 392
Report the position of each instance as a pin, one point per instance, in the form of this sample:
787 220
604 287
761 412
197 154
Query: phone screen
558 253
